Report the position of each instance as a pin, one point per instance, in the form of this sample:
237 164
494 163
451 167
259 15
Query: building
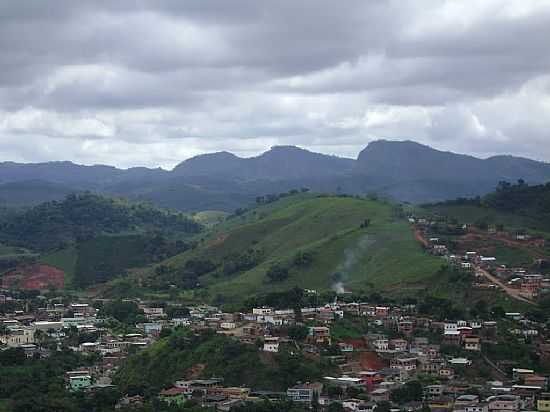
433 392
304 393
404 363
17 336
472 343
319 335
543 402
173 396
504 403
271 344
79 382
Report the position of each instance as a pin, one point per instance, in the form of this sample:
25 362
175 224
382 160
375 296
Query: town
397 359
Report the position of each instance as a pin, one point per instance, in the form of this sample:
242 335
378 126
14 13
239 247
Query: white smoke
352 255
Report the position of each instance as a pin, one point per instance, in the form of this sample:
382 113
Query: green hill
184 354
515 206
93 238
103 258
84 216
314 242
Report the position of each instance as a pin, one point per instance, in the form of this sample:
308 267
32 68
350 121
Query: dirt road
513 293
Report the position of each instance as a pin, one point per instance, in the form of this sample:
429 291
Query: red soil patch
34 277
420 237
371 361
358 344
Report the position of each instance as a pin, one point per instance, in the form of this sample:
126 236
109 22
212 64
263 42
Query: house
271 344
17 336
130 402
477 407
398 345
472 343
543 402
345 347
262 311
344 381
151 313
519 374
380 395
381 345
352 404
433 392
89 347
231 392
319 335
382 311
441 403
460 361
304 393
504 403
79 382
176 396
47 326
405 363
452 337
405 326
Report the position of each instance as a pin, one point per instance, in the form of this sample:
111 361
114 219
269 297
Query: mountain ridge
402 170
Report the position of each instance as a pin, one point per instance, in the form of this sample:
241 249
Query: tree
410 391
335 391
303 258
297 332
383 406
336 407
277 272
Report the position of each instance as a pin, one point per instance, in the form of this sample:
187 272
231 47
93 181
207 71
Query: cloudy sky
151 83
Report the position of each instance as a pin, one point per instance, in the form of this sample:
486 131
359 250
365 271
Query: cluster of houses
400 346
527 283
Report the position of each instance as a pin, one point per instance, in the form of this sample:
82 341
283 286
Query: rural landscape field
274 206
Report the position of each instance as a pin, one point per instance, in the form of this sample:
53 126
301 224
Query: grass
512 256
442 286
470 214
5 405
65 260
210 218
384 255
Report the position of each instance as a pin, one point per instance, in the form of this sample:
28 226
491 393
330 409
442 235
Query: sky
151 83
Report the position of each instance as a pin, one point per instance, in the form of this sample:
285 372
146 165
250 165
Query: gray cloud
152 82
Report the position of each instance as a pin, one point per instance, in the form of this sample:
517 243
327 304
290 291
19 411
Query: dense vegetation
512 205
38 384
81 217
183 352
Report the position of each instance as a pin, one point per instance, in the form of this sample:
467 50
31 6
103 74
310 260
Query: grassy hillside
100 259
516 207
317 241
92 238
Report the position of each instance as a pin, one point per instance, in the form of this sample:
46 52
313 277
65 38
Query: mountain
418 173
408 160
32 192
405 171
279 163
